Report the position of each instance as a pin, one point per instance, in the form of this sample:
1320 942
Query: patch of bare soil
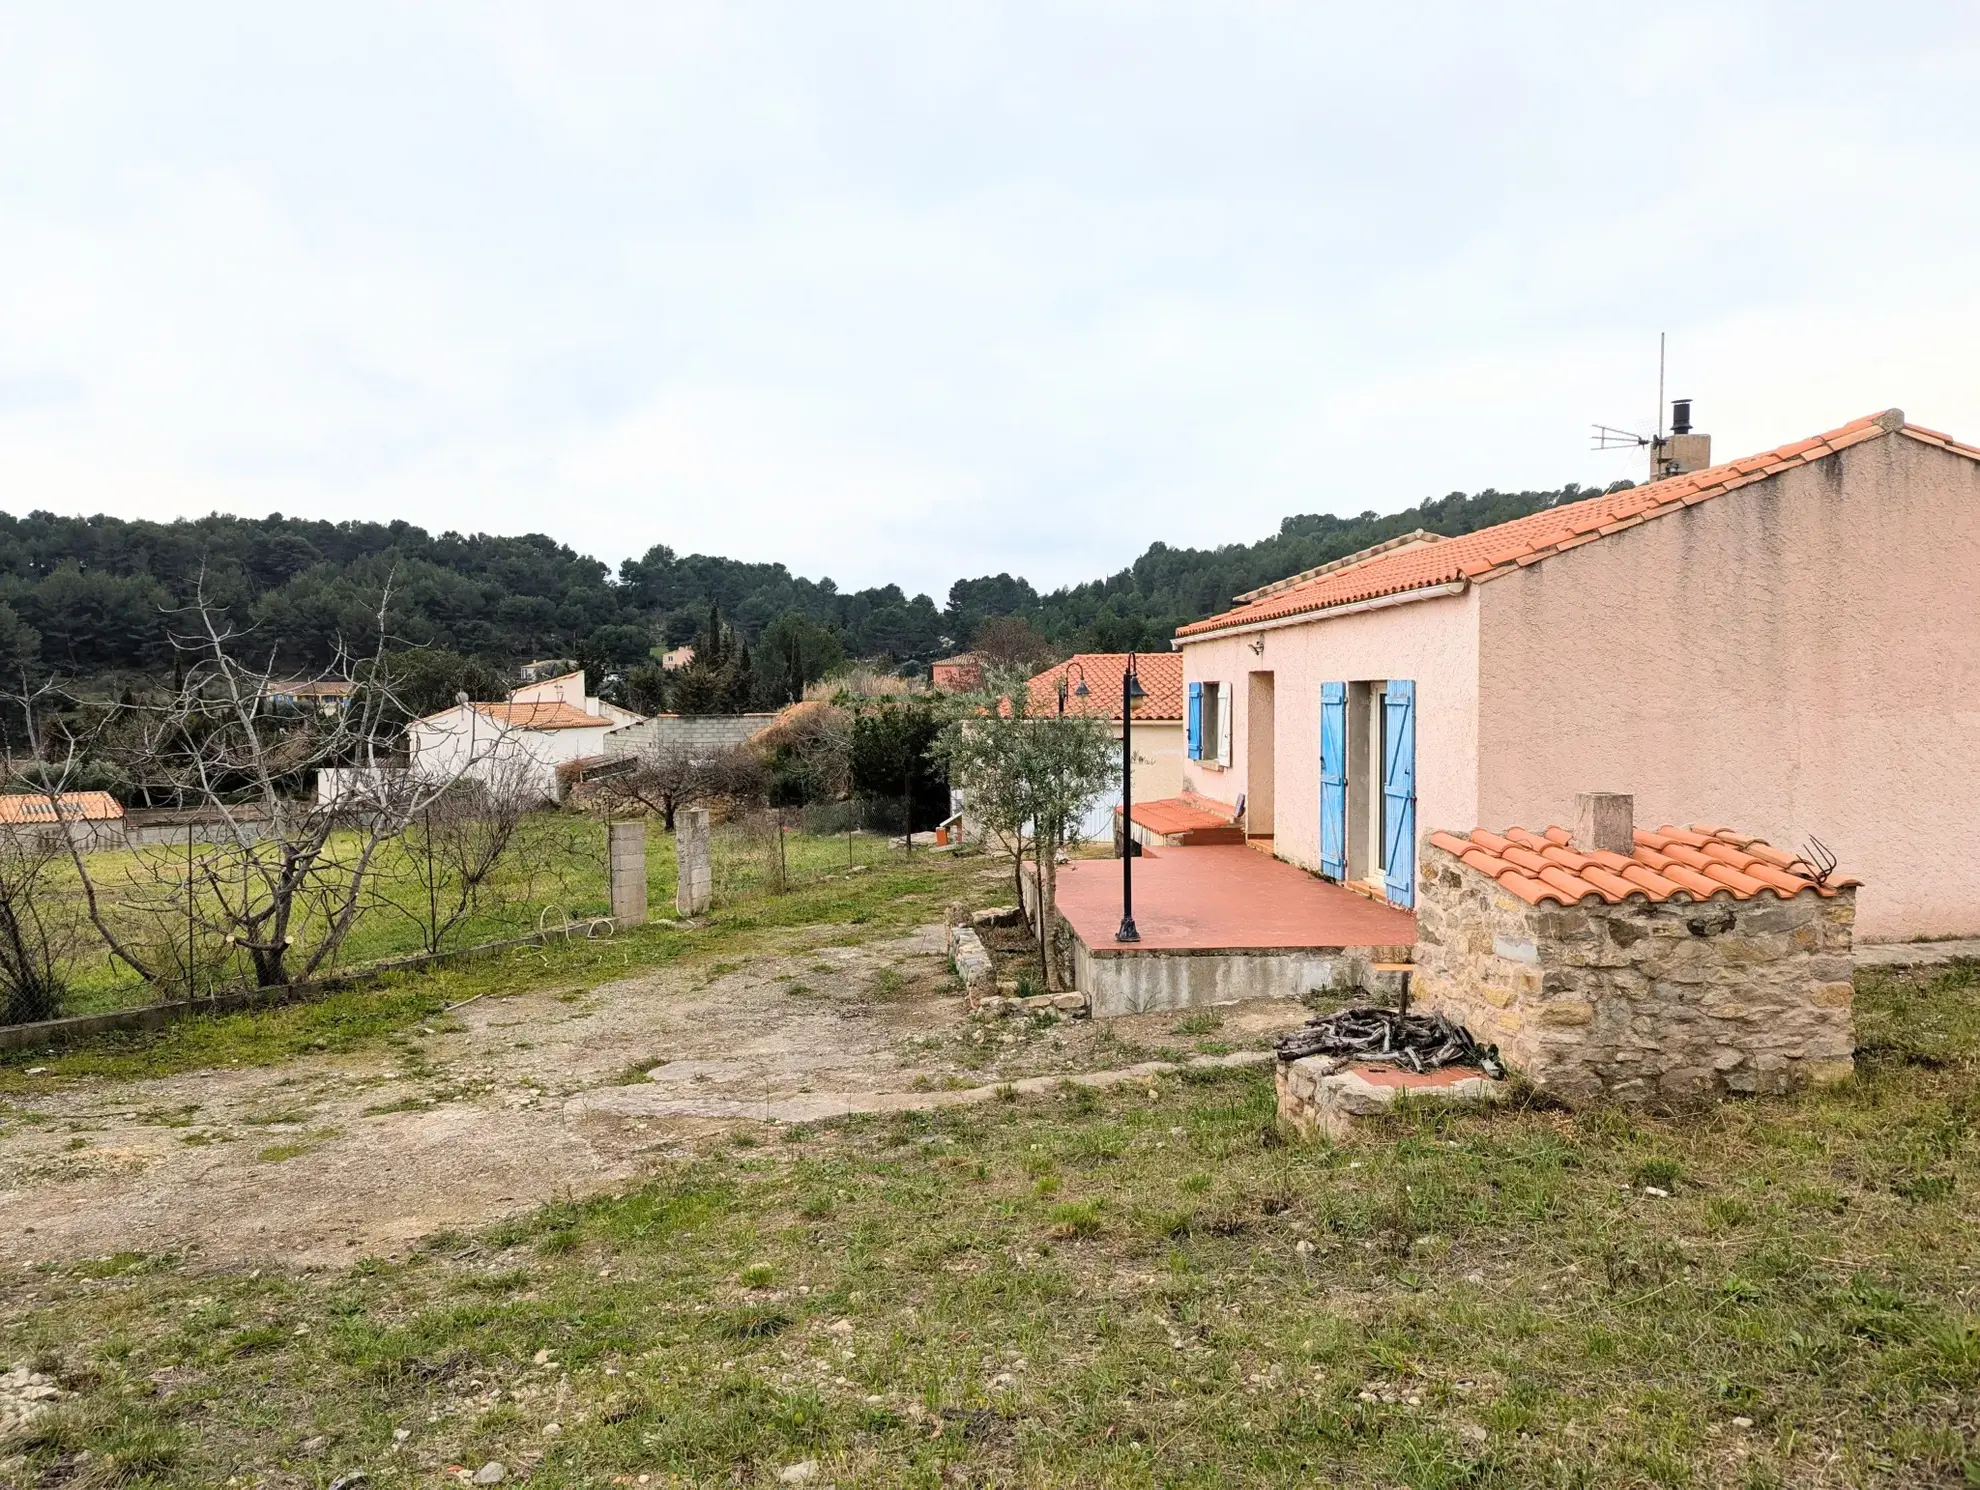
510 1102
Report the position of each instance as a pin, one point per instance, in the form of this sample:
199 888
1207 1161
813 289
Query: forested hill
87 597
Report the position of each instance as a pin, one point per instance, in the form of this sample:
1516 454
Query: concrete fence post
695 885
625 848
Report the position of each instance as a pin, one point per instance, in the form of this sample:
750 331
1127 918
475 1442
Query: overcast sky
907 292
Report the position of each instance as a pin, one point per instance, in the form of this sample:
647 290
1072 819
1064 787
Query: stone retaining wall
1641 1001
1320 1095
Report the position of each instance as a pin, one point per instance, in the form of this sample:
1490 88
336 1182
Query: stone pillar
696 884
625 850
1604 822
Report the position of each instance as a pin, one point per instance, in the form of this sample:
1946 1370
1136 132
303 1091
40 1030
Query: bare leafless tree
282 869
40 929
667 778
452 847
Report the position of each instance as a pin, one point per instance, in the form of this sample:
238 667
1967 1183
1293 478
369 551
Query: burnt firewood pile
1415 1042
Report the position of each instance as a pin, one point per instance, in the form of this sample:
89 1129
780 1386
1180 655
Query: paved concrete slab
1218 897
1914 954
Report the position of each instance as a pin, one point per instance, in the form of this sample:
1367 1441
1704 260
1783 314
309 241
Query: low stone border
1037 1003
969 957
1324 1093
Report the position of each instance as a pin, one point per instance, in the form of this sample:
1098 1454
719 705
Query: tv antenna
1608 437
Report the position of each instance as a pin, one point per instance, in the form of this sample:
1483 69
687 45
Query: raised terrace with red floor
1220 923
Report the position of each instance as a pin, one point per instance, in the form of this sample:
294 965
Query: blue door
1399 792
1333 780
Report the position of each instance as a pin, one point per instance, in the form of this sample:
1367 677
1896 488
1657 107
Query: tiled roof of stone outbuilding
1696 863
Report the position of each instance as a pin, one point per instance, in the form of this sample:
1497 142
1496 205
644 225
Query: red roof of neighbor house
1507 547
1696 863
21 807
547 715
1161 675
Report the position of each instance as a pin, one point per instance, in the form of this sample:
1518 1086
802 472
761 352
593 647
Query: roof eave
1324 613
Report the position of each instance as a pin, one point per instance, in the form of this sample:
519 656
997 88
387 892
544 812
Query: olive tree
1030 780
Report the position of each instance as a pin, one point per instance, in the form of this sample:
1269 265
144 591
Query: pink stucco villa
1789 642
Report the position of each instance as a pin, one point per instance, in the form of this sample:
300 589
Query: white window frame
1214 728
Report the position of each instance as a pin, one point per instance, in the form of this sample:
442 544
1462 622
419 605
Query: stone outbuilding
1639 966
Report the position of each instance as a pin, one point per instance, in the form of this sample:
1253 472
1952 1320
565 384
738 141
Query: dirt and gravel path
510 1102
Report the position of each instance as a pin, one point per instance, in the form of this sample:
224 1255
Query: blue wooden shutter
1195 725
1399 792
1333 780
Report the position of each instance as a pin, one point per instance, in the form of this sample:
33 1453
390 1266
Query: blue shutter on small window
1194 727
1399 792
1333 780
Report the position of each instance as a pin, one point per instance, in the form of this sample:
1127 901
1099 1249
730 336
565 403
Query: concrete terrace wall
698 732
1433 642
1799 657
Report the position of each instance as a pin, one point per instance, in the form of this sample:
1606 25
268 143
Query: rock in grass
800 1473
491 1473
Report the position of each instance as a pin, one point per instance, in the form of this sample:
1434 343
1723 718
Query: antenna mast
1660 387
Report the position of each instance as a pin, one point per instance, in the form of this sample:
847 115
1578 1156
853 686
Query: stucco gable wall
1434 642
1798 657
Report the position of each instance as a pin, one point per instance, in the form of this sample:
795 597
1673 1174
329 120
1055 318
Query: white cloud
904 292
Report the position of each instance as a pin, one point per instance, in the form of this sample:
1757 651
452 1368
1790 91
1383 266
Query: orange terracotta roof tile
1161 675
554 714
1701 862
1188 813
76 807
1503 549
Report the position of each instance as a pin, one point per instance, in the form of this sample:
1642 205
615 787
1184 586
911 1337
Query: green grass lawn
554 870
1134 1287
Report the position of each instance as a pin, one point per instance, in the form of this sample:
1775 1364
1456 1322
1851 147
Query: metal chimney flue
1680 416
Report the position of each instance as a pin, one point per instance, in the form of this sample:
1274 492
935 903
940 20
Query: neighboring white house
568 688
520 743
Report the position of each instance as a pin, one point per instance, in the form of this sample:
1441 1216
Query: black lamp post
1064 675
1132 693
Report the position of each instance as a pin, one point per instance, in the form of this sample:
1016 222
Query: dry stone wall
1641 1001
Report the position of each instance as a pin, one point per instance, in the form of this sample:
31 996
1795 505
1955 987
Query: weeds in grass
413 1103
288 1116
1659 1174
1076 1218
